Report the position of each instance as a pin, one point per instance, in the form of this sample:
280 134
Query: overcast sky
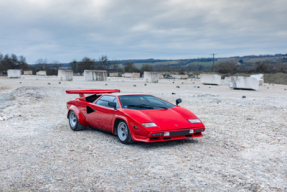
64 30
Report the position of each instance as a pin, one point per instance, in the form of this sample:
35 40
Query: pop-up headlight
149 124
194 120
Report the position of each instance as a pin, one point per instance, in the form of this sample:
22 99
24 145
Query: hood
166 119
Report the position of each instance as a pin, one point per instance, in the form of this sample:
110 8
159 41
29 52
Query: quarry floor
244 147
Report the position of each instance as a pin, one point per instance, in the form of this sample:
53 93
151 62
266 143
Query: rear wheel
124 134
74 122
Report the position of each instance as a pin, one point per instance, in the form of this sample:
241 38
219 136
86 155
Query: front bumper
174 135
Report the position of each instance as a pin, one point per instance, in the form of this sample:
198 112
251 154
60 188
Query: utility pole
213 61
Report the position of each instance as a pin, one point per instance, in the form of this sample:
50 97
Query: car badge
175 124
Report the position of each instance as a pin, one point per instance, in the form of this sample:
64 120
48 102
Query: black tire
123 133
74 122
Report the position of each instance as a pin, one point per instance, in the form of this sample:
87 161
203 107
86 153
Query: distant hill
205 62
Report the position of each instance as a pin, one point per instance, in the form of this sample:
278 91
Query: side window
116 101
104 101
107 98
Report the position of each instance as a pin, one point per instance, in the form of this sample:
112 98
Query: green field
139 65
203 63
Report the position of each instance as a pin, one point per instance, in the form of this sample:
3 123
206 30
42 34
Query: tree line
231 68
19 62
103 63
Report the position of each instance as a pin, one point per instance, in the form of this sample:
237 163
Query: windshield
143 102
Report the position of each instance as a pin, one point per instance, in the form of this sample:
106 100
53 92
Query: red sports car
132 117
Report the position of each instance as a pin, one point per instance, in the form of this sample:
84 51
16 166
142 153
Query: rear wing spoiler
98 91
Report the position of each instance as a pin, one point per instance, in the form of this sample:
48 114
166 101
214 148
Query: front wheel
74 122
124 134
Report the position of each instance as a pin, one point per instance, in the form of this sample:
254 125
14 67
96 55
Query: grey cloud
71 29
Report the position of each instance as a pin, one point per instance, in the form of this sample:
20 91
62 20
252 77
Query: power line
213 61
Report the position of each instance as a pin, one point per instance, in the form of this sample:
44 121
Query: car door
104 115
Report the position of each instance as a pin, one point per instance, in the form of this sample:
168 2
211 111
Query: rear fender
80 116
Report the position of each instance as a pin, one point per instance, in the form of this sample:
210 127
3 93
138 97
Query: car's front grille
199 130
179 133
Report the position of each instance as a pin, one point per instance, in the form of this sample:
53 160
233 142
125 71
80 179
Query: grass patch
277 78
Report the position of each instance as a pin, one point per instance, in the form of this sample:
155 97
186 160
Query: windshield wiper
154 106
147 106
141 106
162 107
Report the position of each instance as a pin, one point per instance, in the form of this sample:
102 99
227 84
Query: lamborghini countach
132 117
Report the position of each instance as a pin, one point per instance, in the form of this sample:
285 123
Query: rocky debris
240 151
177 87
5 117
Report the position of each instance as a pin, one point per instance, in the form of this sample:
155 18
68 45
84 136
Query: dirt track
244 147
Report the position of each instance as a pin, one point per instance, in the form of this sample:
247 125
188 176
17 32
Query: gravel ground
244 147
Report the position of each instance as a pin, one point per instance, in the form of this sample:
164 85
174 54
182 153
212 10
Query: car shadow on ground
142 145
164 144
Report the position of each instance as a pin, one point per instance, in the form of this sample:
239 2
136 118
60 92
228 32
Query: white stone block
14 73
41 73
180 76
259 77
28 72
136 75
240 82
210 79
114 74
65 75
127 75
95 75
151 77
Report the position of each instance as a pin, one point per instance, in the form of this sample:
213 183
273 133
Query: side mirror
113 104
178 101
